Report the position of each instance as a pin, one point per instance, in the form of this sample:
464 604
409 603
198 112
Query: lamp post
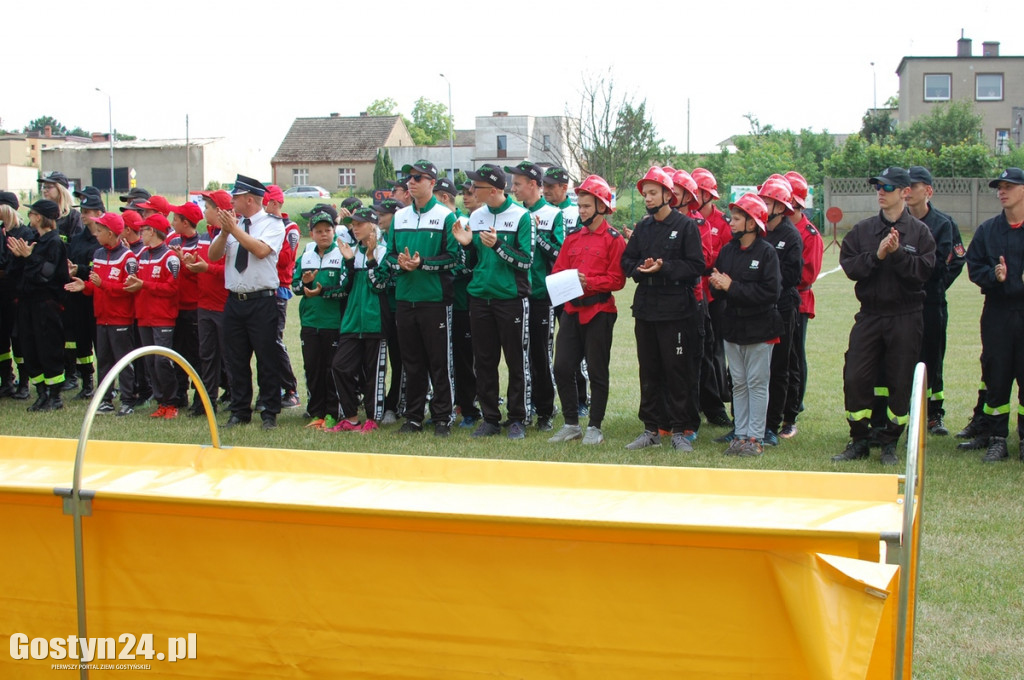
110 121
451 128
874 87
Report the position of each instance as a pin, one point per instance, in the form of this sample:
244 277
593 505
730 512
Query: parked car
306 191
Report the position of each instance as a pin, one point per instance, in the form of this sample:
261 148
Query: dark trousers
797 370
591 341
542 335
186 343
425 333
716 311
712 381
360 362
933 354
319 346
113 343
143 385
211 350
1002 363
288 381
395 399
778 384
250 328
161 369
79 334
669 373
42 340
462 358
501 326
881 345
8 321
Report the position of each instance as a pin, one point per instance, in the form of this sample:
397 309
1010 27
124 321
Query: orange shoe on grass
159 412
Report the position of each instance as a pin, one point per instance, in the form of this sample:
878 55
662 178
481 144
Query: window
547 142
346 177
936 87
1003 141
989 87
300 175
502 146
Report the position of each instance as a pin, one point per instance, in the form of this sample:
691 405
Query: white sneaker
566 434
390 418
593 436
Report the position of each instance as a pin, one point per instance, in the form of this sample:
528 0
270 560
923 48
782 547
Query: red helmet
669 170
599 189
658 176
778 188
752 205
683 179
799 184
705 180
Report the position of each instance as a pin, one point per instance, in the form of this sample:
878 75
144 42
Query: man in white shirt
250 245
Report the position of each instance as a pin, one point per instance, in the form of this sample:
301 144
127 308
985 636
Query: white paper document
564 286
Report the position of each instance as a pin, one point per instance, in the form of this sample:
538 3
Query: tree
39 124
383 169
382 107
948 124
430 122
877 125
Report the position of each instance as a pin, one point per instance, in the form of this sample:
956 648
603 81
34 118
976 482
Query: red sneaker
346 426
170 412
369 426
159 412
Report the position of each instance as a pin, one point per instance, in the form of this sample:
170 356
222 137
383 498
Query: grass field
971 622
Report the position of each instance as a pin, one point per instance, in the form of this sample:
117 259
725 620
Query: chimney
47 131
501 114
963 46
334 115
989 49
362 114
100 137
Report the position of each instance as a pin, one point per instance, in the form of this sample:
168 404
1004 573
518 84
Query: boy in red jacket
184 242
112 264
156 308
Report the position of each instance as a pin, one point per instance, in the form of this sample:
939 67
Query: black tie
242 257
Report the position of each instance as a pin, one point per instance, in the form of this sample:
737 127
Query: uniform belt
256 294
659 281
589 300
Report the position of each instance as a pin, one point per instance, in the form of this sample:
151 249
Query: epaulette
812 229
614 232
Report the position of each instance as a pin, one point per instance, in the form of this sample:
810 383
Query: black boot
43 396
70 383
87 387
22 391
54 403
7 382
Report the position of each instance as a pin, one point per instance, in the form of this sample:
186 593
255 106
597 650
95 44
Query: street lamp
874 87
110 121
451 127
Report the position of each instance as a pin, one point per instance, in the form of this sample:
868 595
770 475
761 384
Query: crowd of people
444 295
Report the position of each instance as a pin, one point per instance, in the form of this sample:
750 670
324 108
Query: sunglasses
477 187
416 178
887 188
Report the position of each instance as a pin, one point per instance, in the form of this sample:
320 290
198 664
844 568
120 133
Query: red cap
220 198
132 219
158 203
111 221
190 211
158 222
274 193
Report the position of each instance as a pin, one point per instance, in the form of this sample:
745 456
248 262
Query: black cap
426 167
318 216
919 175
1011 175
895 176
45 208
351 204
556 175
134 205
322 208
488 174
248 185
389 206
55 177
135 194
90 201
363 215
467 186
404 183
447 186
528 170
9 198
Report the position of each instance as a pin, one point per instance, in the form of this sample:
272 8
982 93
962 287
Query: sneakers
290 400
937 427
735 446
788 430
726 438
996 450
390 418
889 456
544 424
646 438
486 429
593 437
269 421
369 426
442 429
978 442
751 447
855 450
235 421
690 435
468 422
567 434
720 419
125 410
680 442
346 426
582 410
317 424
159 412
170 412
971 430
770 438
516 430
105 408
410 427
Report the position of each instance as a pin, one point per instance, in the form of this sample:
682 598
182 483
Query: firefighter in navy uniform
890 257
995 262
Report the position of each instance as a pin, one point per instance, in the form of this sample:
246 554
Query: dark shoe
726 438
410 427
770 438
996 450
269 421
125 410
225 398
978 442
290 400
937 427
7 386
889 456
516 430
971 430
788 430
874 440
720 420
235 421
582 411
853 451
22 390
486 429
69 384
41 396
87 388
442 430
544 424
105 408
54 403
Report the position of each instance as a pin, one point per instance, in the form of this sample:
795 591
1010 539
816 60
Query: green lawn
970 623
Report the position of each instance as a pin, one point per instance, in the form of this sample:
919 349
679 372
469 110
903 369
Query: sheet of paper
564 286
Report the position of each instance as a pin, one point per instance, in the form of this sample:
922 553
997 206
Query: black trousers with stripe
42 339
319 350
462 359
542 335
425 333
501 326
933 354
1002 357
360 362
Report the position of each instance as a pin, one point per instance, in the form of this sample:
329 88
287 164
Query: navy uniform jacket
995 238
668 294
750 314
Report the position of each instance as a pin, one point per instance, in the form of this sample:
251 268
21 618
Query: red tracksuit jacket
112 304
157 303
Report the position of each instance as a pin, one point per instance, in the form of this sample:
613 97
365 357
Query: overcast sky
238 69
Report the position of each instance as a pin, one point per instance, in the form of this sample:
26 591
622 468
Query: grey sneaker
566 434
125 410
390 418
680 442
593 436
647 438
735 446
486 429
516 430
752 447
